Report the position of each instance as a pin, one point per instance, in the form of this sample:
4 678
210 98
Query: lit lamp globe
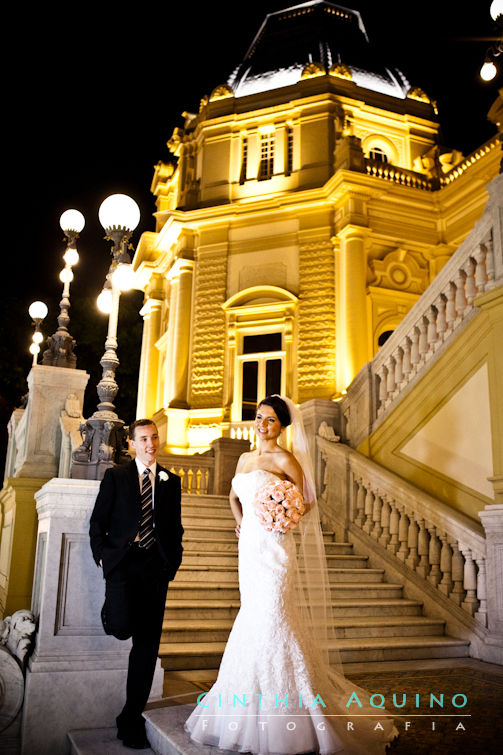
72 220
34 349
66 275
38 310
71 256
496 9
119 211
488 71
37 337
104 301
123 277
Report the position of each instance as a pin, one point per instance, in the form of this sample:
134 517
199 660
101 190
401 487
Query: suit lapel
134 482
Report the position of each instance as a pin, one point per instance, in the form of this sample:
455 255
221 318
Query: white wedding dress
272 679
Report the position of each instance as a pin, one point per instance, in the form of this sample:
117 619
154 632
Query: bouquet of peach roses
279 506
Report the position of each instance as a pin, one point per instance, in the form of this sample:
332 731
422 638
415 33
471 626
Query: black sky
93 93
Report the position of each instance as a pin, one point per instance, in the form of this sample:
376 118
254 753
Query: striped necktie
146 533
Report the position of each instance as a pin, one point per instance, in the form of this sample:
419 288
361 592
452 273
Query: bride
276 693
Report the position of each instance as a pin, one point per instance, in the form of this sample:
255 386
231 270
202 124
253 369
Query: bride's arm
294 472
236 508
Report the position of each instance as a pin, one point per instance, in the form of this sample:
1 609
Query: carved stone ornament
327 432
16 633
221 92
312 70
341 70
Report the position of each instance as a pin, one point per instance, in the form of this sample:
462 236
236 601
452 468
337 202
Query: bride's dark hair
280 407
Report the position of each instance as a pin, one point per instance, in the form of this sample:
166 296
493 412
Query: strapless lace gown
270 664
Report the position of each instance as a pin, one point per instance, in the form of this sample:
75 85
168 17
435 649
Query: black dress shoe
135 741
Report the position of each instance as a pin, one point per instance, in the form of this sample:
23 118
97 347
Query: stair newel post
423 550
470 289
458 567
403 535
369 507
412 535
385 522
360 504
394 523
441 320
376 517
470 603
481 614
445 585
434 557
480 269
450 310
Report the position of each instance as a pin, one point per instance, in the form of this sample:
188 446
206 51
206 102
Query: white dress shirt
141 467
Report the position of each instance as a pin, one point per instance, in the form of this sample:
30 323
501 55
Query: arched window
384 337
378 154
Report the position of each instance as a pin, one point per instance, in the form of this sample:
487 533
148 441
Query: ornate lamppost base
104 445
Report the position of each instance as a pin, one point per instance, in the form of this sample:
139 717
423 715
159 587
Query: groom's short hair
139 423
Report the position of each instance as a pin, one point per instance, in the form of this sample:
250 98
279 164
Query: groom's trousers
134 606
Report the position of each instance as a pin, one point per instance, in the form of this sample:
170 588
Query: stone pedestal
76 676
227 452
492 520
38 434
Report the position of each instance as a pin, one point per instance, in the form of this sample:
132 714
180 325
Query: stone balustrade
196 472
401 176
442 548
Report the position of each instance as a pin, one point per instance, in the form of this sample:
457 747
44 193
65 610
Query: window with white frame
266 165
261 370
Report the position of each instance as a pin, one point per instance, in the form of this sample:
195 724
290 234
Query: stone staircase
373 620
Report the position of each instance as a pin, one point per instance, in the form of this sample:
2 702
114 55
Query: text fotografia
433 701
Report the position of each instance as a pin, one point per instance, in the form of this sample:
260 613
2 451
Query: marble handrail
196 472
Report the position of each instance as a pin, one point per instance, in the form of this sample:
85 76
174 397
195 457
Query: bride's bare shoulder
242 461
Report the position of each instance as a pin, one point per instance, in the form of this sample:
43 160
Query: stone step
203 545
229 558
217 630
220 530
384 606
185 655
218 573
183 609
183 588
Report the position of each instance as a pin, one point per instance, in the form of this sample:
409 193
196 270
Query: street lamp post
104 434
59 351
37 311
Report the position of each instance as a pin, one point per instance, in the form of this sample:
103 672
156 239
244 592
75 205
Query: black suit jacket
117 513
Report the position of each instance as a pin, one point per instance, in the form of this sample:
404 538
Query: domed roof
313 32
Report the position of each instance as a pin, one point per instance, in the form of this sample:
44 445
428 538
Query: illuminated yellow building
309 207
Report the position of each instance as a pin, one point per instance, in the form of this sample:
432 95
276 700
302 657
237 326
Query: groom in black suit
136 537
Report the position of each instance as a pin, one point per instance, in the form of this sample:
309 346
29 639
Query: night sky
93 93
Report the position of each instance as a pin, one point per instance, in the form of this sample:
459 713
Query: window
384 337
244 159
261 370
378 154
266 166
289 151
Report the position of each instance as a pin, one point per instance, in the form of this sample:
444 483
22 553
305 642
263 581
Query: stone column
492 521
352 337
38 432
227 452
148 399
76 676
181 272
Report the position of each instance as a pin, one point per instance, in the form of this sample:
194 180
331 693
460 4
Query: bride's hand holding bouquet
279 506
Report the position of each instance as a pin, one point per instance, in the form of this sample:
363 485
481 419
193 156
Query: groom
136 537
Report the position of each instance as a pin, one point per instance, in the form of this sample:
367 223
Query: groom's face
146 443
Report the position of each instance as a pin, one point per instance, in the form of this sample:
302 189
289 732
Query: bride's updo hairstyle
280 408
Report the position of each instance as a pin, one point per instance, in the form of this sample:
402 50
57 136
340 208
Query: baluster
432 335
369 505
198 482
385 520
481 614
190 475
398 366
403 536
183 476
376 517
423 550
383 387
414 352
458 567
360 504
461 302
394 523
450 309
423 339
470 603
412 538
390 385
445 585
406 364
470 289
480 269
206 486
441 320
490 269
434 557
